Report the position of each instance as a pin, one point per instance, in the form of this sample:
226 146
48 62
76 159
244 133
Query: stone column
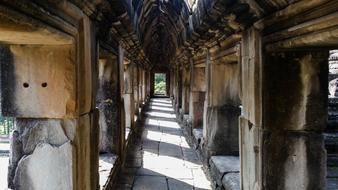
221 108
148 83
178 90
122 110
286 139
107 102
172 83
142 87
135 79
185 90
197 96
128 96
50 91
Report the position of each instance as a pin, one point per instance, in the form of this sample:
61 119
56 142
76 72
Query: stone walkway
161 158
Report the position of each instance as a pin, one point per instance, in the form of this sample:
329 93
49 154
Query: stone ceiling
163 32
161 27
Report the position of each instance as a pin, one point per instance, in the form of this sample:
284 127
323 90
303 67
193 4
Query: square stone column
185 90
197 96
50 90
221 108
107 101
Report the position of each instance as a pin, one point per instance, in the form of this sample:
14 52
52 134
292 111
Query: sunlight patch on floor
160 114
161 108
3 172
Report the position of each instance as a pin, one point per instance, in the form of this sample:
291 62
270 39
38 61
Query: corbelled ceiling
162 32
161 26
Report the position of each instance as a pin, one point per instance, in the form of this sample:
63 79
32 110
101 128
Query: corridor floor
161 158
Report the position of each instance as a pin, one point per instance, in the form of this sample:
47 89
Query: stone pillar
287 136
250 125
172 83
197 96
107 102
122 110
221 108
185 90
128 95
50 91
142 87
148 83
178 90
135 79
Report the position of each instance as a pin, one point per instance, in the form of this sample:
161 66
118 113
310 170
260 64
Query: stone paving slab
4 147
150 183
231 181
3 172
106 164
175 184
164 159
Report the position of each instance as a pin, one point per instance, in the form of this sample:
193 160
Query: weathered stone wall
295 117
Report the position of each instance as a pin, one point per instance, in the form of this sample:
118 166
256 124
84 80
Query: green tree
160 83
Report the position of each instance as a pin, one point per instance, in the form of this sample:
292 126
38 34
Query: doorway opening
160 84
331 131
7 125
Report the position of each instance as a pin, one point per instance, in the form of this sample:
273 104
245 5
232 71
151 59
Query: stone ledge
231 181
197 134
225 171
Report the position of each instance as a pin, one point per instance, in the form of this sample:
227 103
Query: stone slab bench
225 171
197 136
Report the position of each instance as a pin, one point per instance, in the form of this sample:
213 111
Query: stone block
222 130
38 81
32 132
298 100
48 167
175 184
198 135
224 84
198 82
150 182
196 106
221 165
51 131
129 110
231 181
291 154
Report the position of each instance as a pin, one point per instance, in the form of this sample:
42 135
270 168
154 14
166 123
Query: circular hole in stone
25 85
44 85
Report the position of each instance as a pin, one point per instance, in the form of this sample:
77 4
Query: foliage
160 83
6 125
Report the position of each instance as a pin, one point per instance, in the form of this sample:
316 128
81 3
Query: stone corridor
249 94
162 158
